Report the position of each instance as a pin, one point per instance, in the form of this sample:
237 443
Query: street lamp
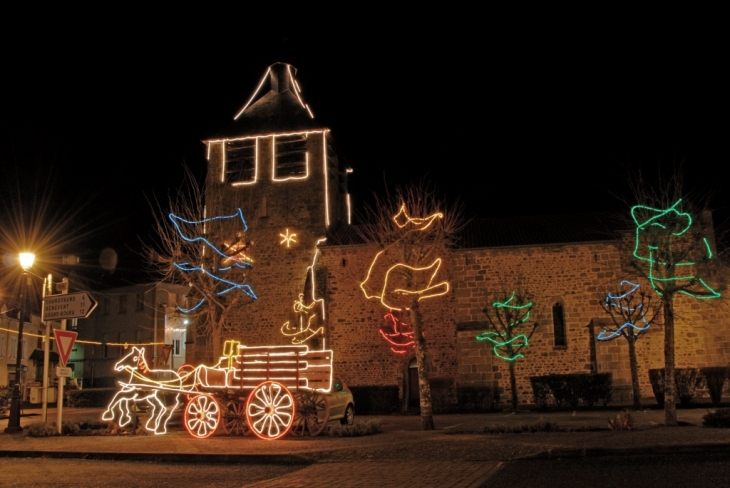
26 261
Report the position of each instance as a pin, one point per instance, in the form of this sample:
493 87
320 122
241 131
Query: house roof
275 106
517 231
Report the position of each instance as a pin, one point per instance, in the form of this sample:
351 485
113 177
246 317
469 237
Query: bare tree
508 313
632 313
412 229
209 254
672 250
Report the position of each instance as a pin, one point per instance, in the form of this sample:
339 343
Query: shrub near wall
572 389
715 377
477 398
89 397
688 381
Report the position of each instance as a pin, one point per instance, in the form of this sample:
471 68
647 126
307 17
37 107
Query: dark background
513 114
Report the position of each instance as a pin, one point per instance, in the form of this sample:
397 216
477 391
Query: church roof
518 231
275 106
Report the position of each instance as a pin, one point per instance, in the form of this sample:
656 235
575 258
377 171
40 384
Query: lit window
559 325
291 157
240 161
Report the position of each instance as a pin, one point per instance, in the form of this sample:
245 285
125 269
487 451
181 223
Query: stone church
279 165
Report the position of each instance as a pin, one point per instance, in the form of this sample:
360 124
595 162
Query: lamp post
26 261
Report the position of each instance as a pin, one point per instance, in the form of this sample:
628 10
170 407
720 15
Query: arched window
559 325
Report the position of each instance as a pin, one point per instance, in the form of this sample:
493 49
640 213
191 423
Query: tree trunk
423 385
670 406
513 384
634 371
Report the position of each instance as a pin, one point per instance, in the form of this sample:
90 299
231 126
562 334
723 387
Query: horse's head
134 360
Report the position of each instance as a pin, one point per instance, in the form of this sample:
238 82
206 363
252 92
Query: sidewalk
456 454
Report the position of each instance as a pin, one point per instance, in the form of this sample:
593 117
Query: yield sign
65 340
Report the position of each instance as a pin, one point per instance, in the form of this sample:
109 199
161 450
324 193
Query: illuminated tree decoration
628 309
300 334
505 316
232 256
622 305
664 244
398 334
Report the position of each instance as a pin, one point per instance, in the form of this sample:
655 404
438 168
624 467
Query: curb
188 458
569 452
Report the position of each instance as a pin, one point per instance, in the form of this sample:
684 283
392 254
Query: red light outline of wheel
270 410
202 408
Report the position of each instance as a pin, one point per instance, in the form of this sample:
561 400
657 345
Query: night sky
510 116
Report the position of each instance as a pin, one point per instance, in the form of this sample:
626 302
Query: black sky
512 117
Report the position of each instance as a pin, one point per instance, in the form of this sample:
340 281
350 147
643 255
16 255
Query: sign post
68 306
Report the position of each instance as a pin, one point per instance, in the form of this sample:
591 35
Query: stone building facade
279 166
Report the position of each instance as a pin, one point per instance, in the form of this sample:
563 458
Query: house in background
32 359
143 315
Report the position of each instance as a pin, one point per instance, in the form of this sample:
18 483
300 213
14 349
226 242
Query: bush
718 418
715 377
540 391
441 389
688 381
572 388
375 400
43 429
90 397
477 398
656 378
357 429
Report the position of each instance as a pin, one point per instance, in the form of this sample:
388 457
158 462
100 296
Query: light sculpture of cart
269 390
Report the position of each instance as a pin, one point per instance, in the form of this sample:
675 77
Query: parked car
341 402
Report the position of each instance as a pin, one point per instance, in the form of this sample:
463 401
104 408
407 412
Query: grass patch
357 429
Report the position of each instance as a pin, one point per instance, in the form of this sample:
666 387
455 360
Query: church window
240 161
290 158
559 325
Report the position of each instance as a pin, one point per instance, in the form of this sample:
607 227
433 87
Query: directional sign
65 341
69 306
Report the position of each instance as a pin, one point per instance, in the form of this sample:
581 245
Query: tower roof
276 105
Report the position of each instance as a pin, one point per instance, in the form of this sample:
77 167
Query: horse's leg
154 418
170 411
118 398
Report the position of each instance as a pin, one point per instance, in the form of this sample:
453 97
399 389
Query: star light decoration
387 283
287 238
661 233
232 255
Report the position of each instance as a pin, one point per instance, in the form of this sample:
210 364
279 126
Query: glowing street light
26 261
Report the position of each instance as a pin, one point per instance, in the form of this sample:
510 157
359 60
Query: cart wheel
270 410
313 412
202 416
235 418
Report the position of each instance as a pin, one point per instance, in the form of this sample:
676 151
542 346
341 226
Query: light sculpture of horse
144 384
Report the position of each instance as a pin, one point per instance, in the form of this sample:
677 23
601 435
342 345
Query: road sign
65 341
64 372
69 306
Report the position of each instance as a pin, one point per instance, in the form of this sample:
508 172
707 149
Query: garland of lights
507 346
398 334
659 220
232 256
302 334
615 301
